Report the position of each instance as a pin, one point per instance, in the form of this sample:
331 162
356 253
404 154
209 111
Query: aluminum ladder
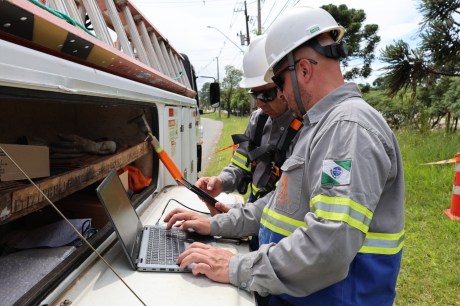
120 21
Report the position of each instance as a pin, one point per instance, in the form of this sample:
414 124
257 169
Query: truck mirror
214 94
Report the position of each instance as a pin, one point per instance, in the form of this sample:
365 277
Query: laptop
149 247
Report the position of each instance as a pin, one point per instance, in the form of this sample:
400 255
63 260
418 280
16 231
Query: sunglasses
265 96
278 78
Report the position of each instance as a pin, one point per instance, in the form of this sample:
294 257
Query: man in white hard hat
332 232
263 147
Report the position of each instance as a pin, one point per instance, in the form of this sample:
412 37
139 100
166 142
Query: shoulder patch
336 172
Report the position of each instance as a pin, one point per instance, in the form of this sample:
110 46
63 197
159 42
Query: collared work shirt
332 232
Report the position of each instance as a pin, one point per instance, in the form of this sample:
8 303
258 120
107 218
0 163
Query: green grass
232 125
430 271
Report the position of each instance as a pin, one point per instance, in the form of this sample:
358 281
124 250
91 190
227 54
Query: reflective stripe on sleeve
342 209
382 243
279 223
240 160
374 243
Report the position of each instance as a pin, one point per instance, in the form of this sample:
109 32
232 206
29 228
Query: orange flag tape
441 162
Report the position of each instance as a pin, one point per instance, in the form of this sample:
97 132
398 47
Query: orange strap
296 124
234 146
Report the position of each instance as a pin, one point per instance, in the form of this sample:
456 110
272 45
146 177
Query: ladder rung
147 43
122 38
157 48
134 35
97 20
167 59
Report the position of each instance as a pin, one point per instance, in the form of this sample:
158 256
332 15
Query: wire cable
180 203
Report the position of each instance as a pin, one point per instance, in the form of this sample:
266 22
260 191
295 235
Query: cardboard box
34 160
124 179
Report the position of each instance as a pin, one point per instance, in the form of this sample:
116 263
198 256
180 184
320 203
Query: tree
430 72
204 96
229 85
241 101
361 40
440 32
438 56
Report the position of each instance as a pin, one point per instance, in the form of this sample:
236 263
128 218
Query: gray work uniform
321 219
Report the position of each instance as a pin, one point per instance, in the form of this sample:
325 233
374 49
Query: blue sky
185 24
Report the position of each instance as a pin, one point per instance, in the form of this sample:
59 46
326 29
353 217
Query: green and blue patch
336 172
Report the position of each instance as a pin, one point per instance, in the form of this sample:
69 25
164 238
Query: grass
232 125
430 271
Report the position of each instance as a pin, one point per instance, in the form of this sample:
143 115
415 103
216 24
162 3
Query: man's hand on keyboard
190 220
208 260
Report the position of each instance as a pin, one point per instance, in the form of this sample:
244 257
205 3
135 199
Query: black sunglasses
278 78
265 96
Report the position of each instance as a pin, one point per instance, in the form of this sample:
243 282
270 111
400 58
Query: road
211 134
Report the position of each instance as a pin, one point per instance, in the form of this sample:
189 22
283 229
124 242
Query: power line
279 13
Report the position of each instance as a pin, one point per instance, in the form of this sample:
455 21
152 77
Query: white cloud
184 23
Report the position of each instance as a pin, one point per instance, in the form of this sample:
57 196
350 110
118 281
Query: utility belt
265 162
261 181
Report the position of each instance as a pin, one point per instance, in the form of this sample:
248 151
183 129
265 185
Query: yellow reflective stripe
240 160
382 243
342 209
279 223
275 228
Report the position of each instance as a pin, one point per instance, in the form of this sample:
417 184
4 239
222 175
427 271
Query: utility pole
218 81
247 21
217 60
248 41
259 18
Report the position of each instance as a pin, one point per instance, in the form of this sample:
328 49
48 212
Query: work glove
74 144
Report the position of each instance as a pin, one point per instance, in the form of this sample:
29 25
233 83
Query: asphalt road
211 133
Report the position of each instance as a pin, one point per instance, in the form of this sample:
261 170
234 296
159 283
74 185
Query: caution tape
233 146
441 162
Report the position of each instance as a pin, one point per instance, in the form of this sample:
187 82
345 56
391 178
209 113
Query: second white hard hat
295 27
255 64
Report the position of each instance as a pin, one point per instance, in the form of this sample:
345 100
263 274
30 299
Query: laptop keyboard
164 245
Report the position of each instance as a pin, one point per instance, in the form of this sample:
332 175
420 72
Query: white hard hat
293 28
255 64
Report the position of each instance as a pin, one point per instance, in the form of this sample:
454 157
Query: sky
207 30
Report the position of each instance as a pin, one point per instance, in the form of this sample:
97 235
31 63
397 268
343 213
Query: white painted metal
26 68
172 139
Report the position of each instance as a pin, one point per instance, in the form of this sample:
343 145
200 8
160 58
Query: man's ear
305 69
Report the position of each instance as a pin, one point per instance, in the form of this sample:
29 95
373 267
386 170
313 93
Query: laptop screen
122 214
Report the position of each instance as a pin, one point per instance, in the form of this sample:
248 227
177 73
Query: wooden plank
20 202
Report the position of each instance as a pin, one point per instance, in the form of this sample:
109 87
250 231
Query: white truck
73 75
